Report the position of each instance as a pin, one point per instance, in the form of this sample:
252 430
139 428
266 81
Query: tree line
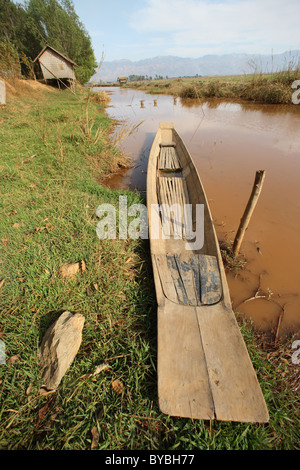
26 28
137 78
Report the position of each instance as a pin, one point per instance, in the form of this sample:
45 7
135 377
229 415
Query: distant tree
10 66
137 78
57 24
17 31
29 28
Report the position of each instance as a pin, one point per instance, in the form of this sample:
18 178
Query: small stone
69 270
59 347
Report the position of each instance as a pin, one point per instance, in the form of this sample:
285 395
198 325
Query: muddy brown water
229 142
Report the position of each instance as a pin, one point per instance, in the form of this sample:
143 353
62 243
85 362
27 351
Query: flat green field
273 88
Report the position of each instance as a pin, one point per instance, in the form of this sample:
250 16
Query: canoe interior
192 276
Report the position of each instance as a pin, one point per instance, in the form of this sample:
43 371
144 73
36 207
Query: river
229 142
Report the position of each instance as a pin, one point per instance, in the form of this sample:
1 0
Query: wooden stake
256 190
279 323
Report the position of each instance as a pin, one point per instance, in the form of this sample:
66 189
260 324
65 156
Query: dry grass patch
100 97
18 88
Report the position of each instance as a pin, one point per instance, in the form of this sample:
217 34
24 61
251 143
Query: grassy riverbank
273 88
55 150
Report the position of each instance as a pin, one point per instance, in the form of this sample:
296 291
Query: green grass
48 205
272 88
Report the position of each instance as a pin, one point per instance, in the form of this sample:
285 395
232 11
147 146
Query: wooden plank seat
168 158
172 190
173 194
190 280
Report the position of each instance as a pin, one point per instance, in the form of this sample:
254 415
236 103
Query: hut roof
57 52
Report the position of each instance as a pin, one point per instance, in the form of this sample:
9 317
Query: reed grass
100 96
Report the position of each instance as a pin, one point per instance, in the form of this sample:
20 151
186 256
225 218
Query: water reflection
229 142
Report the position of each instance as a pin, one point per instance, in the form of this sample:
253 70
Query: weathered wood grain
191 279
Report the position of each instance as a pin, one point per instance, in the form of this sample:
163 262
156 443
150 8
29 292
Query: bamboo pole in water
256 190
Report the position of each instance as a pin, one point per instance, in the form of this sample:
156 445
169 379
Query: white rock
59 347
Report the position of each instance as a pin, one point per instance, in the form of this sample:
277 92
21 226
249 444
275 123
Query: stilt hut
53 67
122 80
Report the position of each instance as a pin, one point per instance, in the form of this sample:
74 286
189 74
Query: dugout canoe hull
204 369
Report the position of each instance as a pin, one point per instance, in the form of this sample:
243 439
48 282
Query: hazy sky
137 29
140 29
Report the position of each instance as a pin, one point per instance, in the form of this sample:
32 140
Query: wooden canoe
204 369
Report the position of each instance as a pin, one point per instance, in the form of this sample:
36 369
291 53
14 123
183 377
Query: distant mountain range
172 66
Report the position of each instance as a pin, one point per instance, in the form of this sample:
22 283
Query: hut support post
59 80
256 190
